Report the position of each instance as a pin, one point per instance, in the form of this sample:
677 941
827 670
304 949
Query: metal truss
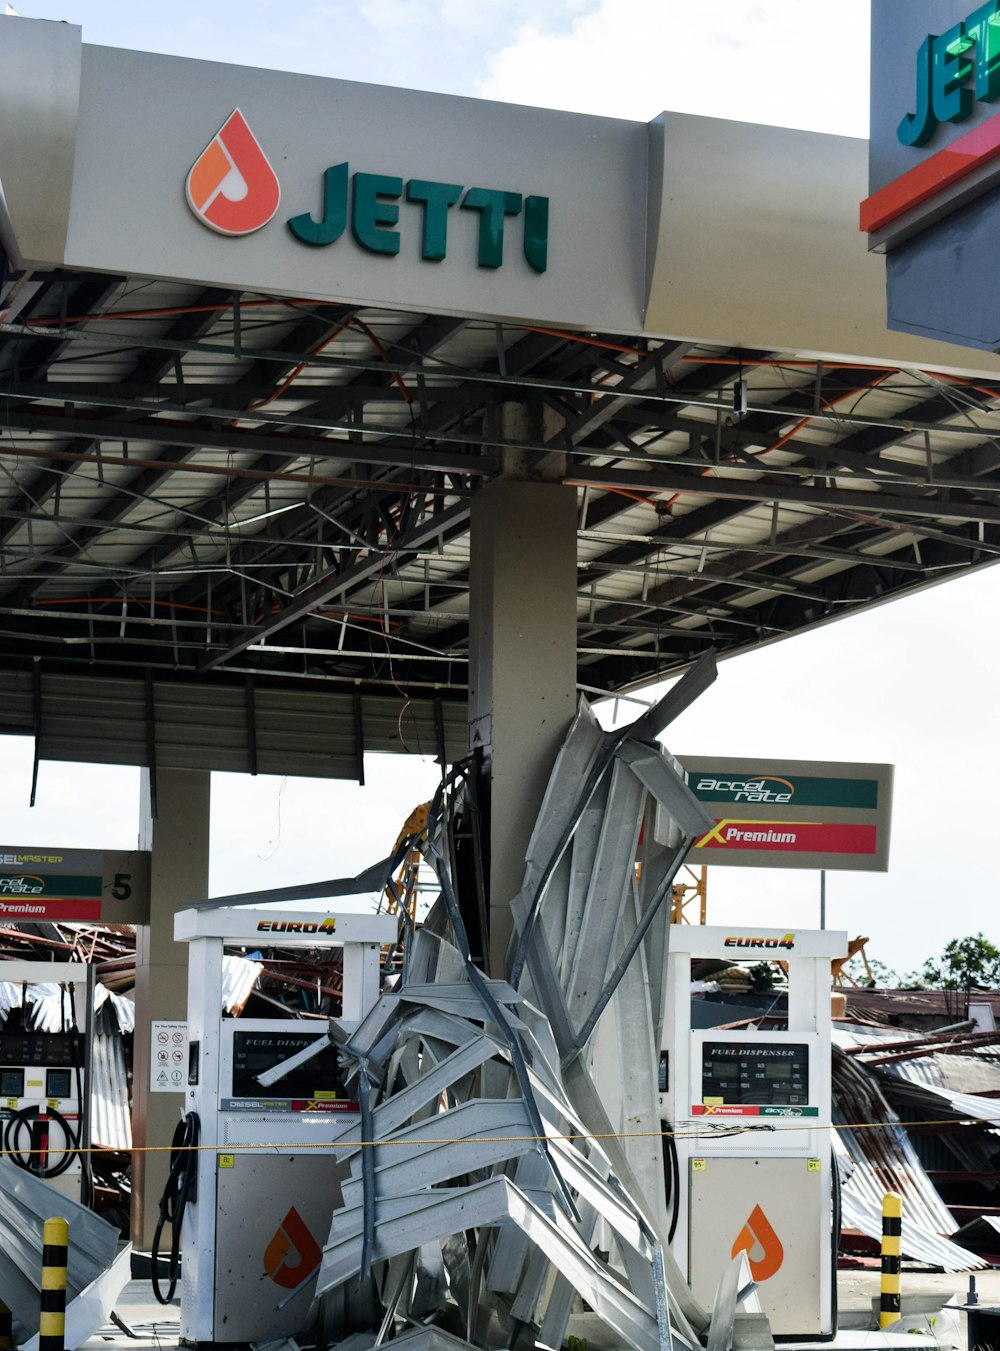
223 485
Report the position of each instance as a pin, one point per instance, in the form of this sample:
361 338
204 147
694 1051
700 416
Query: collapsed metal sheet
26 1202
508 1109
92 1307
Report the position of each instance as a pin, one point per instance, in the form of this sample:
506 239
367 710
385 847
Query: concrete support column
522 666
178 838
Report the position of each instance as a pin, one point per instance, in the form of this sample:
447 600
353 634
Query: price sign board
109 887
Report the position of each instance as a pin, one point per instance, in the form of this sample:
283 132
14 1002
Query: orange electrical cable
129 600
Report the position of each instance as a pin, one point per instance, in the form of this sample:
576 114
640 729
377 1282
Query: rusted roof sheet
875 1155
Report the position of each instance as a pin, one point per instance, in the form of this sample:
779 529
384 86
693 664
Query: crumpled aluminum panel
26 1202
482 1099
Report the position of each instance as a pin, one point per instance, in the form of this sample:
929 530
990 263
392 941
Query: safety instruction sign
168 1058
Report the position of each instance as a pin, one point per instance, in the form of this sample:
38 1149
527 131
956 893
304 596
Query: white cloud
784 62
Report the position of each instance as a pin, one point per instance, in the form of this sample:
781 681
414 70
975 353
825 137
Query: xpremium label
796 837
749 1109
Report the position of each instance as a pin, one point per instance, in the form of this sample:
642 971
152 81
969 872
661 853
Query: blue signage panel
934 168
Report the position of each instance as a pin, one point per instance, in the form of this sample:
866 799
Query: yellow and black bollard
892 1229
52 1324
6 1328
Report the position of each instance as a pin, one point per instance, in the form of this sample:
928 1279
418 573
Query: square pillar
178 838
522 667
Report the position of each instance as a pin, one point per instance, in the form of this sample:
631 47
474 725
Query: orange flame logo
231 187
758 1237
293 1253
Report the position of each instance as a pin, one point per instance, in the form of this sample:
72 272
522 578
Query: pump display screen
734 1074
257 1051
40 1048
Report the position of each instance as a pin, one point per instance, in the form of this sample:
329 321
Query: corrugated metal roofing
111 1119
239 976
876 1156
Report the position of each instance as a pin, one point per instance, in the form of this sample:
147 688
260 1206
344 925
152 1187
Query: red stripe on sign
798 838
932 175
30 908
709 1109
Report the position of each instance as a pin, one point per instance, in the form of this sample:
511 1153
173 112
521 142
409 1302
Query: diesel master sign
793 813
934 166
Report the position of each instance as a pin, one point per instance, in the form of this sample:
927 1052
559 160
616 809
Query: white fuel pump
261 1185
751 1112
45 1078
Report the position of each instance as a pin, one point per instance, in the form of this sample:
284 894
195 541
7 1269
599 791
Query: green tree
883 977
965 964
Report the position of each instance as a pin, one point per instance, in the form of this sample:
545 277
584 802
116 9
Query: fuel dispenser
255 1186
750 1111
45 1077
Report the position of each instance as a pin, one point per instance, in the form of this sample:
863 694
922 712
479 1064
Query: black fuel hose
179 1190
671 1176
29 1159
837 1222
86 1158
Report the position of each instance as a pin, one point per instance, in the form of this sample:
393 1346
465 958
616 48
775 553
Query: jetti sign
233 189
954 71
792 813
934 166
332 191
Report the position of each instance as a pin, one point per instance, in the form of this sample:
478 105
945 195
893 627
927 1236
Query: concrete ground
157 1326
922 1295
856 1289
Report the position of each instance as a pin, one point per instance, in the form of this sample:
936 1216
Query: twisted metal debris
501 1170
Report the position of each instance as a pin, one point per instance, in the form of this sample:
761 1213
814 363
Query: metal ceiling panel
318 733
208 486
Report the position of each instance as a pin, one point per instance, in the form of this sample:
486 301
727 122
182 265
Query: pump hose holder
32 1159
180 1188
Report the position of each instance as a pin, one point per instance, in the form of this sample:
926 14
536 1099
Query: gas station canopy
237 454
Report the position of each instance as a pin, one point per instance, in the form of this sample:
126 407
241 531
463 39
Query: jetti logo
292 1253
764 1249
292 926
231 187
957 72
945 66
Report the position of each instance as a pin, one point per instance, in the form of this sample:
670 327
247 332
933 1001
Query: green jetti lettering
371 203
970 50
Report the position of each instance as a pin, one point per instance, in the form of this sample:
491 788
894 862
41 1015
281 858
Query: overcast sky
911 683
